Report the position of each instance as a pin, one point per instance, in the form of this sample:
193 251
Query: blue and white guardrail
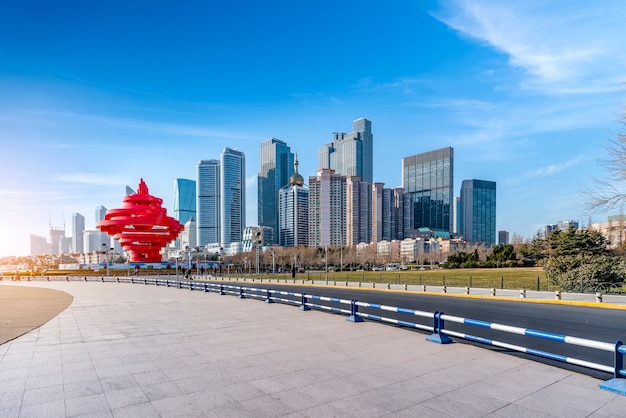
439 333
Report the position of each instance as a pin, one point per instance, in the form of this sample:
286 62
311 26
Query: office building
103 237
478 211
358 211
184 200
503 237
327 208
92 241
293 213
188 235
428 181
232 195
277 166
387 213
39 245
351 154
78 226
208 202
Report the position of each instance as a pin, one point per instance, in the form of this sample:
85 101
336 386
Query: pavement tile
176 406
266 406
143 410
125 397
92 404
51 409
161 390
81 389
43 394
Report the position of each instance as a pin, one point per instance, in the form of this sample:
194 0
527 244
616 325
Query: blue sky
95 96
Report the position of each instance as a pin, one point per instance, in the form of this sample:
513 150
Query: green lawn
508 278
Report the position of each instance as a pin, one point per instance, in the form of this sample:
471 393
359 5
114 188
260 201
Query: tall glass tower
351 154
277 164
428 180
208 202
478 211
232 196
184 200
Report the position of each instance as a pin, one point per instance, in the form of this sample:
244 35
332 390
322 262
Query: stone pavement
123 350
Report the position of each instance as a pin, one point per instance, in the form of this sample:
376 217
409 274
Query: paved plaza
124 350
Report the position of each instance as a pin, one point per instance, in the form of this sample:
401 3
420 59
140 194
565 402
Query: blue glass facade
184 200
428 180
478 211
276 168
207 202
232 196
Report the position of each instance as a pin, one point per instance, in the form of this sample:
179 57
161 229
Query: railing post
222 289
354 310
437 336
241 295
206 289
303 306
618 383
268 296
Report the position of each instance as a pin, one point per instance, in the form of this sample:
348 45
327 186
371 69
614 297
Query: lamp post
295 265
188 259
273 262
105 250
326 260
176 256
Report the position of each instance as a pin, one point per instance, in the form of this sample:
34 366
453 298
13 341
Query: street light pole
273 263
326 260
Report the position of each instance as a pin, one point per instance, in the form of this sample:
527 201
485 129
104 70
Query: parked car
378 268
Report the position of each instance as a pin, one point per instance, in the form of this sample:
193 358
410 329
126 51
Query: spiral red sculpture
141 226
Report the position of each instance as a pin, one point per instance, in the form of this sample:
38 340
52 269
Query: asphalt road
601 324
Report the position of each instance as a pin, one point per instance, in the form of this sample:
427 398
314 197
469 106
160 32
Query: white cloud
565 47
552 169
94 179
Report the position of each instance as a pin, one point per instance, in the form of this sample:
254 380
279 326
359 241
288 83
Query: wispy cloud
573 47
552 169
93 179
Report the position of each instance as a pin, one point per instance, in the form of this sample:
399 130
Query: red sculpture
141 226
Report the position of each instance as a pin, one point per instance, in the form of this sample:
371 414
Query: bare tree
610 193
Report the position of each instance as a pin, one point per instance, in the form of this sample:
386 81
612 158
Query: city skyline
527 95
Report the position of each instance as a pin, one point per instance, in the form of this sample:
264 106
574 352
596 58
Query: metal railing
439 333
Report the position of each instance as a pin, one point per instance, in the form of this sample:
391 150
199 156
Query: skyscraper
351 154
358 211
232 196
277 164
478 211
428 179
78 226
105 240
327 209
184 200
208 202
293 218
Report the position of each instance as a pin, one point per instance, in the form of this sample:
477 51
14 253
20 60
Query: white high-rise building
293 216
232 195
78 226
208 202
327 213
